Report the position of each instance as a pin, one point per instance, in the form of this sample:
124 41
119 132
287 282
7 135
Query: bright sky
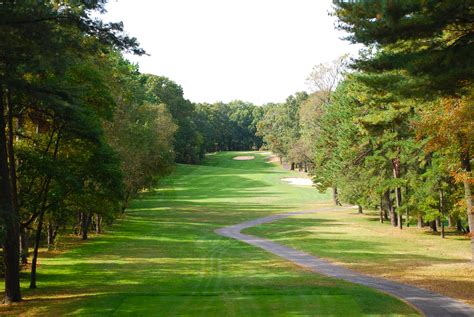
221 50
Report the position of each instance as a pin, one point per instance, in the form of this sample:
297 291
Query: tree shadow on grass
164 257
232 272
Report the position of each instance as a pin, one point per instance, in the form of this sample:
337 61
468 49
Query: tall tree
432 40
41 41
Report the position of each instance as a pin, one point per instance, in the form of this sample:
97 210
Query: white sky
221 50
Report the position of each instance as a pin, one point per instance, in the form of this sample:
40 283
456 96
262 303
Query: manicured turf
164 258
360 242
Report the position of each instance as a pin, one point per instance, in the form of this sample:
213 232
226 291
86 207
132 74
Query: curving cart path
429 303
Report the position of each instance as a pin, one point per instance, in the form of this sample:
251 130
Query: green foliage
229 127
188 141
280 128
430 39
141 132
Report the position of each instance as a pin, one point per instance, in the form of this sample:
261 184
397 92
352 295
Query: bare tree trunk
98 224
451 221
40 221
11 219
398 192
86 221
459 226
433 226
466 166
35 251
359 209
441 211
421 223
388 201
407 212
52 232
126 200
442 228
24 245
335 197
11 155
381 209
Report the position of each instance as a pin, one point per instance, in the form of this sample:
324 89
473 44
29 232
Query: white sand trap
298 181
244 158
273 159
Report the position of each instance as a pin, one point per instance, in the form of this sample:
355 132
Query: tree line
393 129
83 131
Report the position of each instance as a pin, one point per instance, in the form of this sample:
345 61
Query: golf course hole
298 181
244 158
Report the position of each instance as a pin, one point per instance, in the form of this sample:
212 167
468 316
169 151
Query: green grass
360 242
164 259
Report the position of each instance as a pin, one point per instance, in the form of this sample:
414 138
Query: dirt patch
298 181
244 158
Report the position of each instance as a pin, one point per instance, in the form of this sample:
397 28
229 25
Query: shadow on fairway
164 258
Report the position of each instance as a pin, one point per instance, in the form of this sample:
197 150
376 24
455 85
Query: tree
41 43
229 127
188 142
323 80
431 40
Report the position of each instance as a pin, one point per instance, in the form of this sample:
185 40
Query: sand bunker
244 158
273 159
298 181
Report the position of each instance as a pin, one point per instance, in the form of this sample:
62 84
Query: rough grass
360 242
164 258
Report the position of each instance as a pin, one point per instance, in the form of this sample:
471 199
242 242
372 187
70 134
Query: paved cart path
429 303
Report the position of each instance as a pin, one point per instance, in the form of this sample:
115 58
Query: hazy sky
220 50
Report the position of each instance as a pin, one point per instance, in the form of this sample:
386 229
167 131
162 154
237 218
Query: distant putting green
164 259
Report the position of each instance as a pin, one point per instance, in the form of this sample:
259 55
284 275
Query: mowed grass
164 259
412 255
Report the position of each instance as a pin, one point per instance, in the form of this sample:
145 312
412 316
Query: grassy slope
360 242
164 259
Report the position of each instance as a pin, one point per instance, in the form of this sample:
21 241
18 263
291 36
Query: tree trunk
388 201
11 220
433 226
52 232
398 191
42 212
292 166
407 212
459 226
86 221
335 197
441 211
126 200
359 209
451 221
442 228
24 245
98 224
466 166
381 210
421 223
35 251
11 155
